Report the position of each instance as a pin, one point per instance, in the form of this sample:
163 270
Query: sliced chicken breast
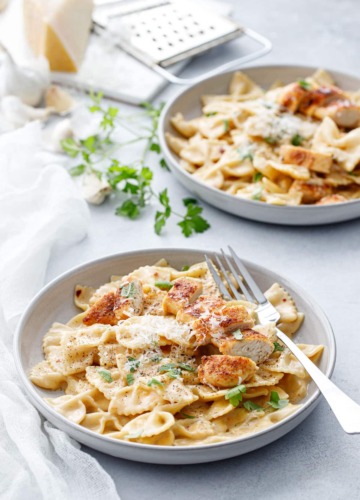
252 345
225 371
184 292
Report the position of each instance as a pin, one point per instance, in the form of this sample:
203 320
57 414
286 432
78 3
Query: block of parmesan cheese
58 30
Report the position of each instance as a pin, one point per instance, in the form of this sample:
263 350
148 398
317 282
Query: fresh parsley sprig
130 182
234 395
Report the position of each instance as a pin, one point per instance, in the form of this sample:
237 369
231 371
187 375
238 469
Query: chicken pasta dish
159 357
293 145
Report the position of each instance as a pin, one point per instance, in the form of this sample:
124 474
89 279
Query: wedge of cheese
58 30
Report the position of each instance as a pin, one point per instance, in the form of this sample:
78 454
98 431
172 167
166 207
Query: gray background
317 460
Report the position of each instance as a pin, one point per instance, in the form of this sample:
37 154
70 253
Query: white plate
188 103
55 303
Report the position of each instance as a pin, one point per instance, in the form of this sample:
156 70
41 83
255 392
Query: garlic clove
95 190
27 83
18 114
59 100
60 131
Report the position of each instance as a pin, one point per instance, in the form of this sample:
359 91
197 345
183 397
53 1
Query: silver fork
345 409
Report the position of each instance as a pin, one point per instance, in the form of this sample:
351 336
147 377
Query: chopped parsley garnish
304 84
276 402
130 378
167 367
226 125
184 366
278 347
185 268
192 220
106 375
128 290
257 196
238 335
251 406
164 285
257 177
297 140
156 359
185 415
270 140
211 113
132 364
234 395
155 381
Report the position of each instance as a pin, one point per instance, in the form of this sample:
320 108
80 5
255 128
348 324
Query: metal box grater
162 33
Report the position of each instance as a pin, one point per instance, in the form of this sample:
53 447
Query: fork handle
345 409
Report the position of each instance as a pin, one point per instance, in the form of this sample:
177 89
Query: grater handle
262 40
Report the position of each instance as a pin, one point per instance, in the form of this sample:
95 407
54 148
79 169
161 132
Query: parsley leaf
297 140
185 268
78 170
155 381
211 113
171 369
164 165
304 84
226 125
164 285
132 364
278 347
106 375
130 378
276 402
270 140
154 146
188 368
234 395
257 177
185 415
251 406
71 147
192 220
128 290
162 217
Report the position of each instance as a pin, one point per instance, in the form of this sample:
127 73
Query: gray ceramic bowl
188 103
55 303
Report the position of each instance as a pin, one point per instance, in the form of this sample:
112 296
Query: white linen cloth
40 208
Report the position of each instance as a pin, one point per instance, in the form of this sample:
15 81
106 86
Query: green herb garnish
130 379
226 125
276 402
185 415
128 290
106 375
297 140
270 140
251 406
304 84
132 364
156 359
131 183
171 370
211 113
278 347
257 177
164 285
185 268
188 368
193 222
234 395
154 381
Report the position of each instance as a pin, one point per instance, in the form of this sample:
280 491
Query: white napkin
40 208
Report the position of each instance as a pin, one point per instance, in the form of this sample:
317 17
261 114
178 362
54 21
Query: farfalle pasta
159 357
293 144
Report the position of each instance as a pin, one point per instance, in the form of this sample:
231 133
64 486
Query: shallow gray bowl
55 303
188 103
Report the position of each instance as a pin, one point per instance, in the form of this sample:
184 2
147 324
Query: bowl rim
174 163
44 408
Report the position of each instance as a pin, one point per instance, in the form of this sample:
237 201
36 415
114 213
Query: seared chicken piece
102 311
318 162
184 292
320 102
202 307
252 345
127 301
333 198
225 371
292 96
226 319
312 190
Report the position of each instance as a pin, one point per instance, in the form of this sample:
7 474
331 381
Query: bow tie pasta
159 357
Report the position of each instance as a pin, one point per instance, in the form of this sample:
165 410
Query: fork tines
241 275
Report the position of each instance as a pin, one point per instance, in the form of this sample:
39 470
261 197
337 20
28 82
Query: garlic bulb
29 84
18 114
61 131
95 190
